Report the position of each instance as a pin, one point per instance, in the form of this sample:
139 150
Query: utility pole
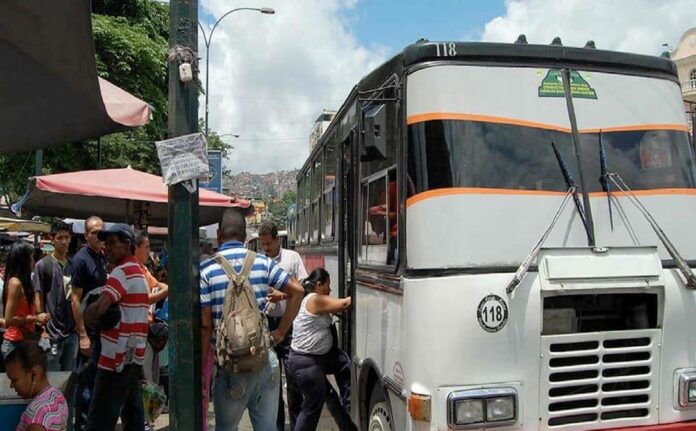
184 300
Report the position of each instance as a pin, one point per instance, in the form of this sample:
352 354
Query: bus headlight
500 409
687 388
468 411
472 408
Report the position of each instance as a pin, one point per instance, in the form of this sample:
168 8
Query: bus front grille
599 379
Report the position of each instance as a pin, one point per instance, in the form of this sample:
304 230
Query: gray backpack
242 338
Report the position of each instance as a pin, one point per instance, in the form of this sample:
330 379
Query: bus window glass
392 212
455 153
328 203
376 234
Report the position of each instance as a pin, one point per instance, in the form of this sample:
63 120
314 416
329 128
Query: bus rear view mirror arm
681 263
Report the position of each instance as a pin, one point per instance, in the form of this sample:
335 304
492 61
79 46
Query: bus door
345 231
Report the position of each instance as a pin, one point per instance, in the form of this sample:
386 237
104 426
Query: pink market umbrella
123 107
115 195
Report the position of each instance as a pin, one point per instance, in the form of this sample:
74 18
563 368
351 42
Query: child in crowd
26 368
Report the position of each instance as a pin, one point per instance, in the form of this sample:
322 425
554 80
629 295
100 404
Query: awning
49 91
115 195
18 225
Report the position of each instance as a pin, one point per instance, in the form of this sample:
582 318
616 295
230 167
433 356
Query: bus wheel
379 419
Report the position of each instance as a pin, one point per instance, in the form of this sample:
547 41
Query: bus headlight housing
472 408
687 388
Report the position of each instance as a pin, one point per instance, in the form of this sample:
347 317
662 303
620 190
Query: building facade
684 55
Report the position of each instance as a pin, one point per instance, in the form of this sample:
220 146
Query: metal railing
689 85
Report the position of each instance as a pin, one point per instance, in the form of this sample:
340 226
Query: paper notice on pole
183 158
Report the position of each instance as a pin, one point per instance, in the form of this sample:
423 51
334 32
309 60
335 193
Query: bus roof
521 54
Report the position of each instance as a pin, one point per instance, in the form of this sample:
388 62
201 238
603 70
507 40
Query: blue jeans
234 393
65 357
117 394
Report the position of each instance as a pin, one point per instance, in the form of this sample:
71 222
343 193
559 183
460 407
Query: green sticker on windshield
552 85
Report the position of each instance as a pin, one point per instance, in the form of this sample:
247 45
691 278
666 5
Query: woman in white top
313 352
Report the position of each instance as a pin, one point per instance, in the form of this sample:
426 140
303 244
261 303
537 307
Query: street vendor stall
115 195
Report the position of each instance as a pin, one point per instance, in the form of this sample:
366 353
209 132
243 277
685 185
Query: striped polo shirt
127 286
264 272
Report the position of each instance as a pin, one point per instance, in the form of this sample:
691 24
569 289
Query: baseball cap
121 229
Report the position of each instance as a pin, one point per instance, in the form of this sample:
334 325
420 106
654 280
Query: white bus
514 223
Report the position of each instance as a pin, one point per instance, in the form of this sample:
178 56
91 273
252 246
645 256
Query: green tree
279 208
130 38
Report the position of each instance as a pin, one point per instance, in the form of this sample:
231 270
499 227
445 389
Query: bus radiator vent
599 379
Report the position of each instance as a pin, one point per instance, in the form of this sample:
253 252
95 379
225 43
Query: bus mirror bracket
374 140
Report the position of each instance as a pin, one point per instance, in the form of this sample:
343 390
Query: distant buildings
320 126
684 55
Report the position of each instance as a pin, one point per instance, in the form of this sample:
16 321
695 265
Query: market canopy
115 195
18 225
49 91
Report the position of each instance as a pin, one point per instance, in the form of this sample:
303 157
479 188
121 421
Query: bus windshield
462 153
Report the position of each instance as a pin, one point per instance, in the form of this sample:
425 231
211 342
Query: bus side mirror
374 133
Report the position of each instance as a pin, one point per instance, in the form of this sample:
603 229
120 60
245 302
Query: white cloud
271 76
640 26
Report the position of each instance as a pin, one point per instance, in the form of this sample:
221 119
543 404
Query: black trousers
310 373
117 394
87 367
294 395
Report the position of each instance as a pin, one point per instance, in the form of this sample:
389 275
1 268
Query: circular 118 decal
492 313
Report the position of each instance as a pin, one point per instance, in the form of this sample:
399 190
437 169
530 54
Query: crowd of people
297 312
92 314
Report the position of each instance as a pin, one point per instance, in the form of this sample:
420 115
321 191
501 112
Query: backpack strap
237 279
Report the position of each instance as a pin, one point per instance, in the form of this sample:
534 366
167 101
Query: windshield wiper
575 135
572 191
604 177
524 267
681 263
570 183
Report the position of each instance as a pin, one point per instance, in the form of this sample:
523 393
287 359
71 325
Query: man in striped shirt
258 391
121 315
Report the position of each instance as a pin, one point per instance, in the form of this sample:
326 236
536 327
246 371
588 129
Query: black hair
268 228
29 355
319 275
232 226
140 236
61 226
19 266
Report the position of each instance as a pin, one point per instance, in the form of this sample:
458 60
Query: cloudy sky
271 75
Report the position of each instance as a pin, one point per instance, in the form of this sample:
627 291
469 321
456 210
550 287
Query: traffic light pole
184 301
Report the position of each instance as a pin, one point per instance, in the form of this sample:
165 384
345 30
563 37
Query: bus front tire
379 418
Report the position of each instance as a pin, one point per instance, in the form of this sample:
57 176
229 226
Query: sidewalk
326 423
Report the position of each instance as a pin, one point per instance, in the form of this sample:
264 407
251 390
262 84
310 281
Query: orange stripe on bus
420 118
483 118
639 127
520 192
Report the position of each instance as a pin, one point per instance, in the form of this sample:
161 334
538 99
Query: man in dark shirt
88 273
51 292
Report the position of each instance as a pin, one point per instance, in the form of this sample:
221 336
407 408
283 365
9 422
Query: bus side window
376 227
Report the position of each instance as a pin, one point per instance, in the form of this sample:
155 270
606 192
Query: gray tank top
310 332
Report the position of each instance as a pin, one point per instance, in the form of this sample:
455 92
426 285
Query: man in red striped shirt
121 315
